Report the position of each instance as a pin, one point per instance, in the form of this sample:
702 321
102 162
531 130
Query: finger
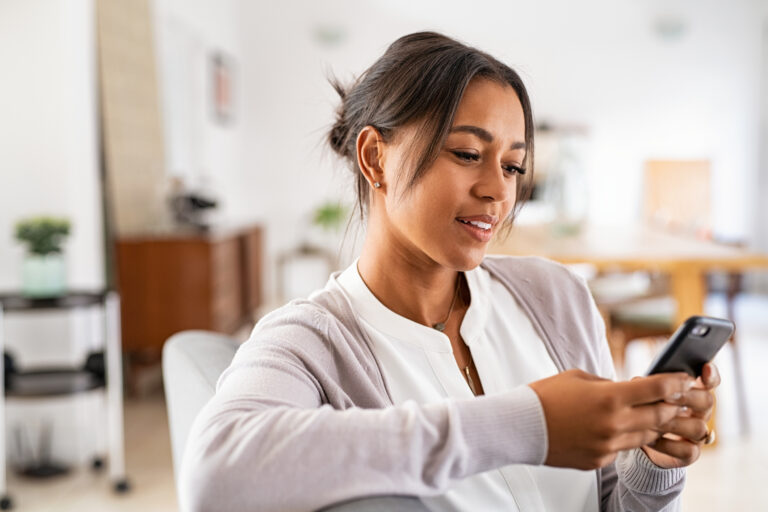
702 415
710 376
692 429
698 400
649 416
685 451
635 440
663 386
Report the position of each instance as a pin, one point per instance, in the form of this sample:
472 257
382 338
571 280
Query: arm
635 483
269 441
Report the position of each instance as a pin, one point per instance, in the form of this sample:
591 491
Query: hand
684 434
590 419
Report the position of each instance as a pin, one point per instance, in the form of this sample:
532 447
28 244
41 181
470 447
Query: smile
478 230
481 225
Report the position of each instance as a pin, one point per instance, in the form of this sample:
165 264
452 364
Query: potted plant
330 216
302 269
43 273
327 225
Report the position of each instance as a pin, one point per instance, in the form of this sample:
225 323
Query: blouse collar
386 321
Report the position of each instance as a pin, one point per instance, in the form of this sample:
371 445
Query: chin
466 260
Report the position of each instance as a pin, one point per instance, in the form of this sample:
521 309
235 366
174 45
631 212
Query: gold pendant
469 380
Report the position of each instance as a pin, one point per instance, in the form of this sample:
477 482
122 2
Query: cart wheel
6 503
122 486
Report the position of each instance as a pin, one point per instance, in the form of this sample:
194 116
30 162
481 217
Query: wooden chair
676 199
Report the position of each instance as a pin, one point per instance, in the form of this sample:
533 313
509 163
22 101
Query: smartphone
693 344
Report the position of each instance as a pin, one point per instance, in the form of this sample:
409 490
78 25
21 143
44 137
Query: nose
493 185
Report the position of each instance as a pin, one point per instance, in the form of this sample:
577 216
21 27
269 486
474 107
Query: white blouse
418 364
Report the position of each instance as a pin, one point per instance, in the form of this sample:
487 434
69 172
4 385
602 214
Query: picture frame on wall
222 87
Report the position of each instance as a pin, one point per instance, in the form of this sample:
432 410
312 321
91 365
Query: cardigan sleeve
269 440
632 481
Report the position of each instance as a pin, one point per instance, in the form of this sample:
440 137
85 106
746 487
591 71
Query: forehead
494 107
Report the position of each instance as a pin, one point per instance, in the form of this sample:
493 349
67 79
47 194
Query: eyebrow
483 134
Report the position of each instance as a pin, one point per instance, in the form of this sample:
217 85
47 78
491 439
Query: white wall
760 221
49 165
199 149
598 63
48 157
288 107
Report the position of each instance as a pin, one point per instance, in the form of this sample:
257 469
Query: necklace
440 326
468 376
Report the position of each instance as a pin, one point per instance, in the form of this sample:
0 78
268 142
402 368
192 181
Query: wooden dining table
685 259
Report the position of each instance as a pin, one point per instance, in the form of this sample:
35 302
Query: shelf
18 302
55 380
51 382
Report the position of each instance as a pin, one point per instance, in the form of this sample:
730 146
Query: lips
480 221
480 227
477 223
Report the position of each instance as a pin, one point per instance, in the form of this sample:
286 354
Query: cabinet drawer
185 281
226 285
225 264
226 312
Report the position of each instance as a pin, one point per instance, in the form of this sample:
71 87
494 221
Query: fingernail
684 409
676 396
689 384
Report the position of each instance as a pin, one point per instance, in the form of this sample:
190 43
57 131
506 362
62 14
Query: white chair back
192 363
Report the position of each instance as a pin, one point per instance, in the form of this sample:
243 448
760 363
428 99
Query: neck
411 285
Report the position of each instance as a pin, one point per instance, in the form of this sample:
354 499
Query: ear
370 155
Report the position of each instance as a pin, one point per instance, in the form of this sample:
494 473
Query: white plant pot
43 276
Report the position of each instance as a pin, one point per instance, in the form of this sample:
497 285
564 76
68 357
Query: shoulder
293 332
316 315
293 338
320 338
559 301
543 286
315 330
300 314
535 272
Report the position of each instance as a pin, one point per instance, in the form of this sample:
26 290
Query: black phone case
688 352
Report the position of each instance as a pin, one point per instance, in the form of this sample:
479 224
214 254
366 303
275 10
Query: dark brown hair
421 78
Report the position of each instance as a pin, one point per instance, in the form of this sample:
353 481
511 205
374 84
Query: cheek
423 216
422 213
509 204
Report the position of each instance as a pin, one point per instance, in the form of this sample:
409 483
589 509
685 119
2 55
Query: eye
512 169
466 156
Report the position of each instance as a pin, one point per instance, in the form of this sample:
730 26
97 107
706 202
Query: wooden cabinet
175 282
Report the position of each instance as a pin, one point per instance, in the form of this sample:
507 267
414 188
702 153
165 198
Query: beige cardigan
302 418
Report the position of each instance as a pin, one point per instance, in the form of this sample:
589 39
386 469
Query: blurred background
174 152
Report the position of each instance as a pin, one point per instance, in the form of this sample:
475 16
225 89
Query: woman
425 368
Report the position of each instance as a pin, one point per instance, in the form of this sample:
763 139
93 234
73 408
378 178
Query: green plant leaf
43 235
330 216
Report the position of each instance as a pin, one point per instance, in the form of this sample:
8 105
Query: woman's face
450 215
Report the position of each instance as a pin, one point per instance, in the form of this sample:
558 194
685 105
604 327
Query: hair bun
338 137
339 133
